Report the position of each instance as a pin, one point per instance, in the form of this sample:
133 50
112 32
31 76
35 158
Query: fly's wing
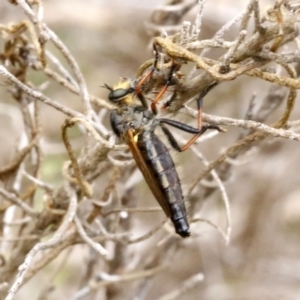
147 173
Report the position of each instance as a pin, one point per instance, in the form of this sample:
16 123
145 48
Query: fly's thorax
138 117
135 118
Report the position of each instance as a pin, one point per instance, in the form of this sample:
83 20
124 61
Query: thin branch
132 210
57 237
198 21
184 287
223 193
17 201
276 132
96 246
37 95
107 279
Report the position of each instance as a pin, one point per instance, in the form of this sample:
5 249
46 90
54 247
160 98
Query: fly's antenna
106 87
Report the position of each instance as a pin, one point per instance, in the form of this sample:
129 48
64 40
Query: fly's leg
163 90
138 88
198 132
184 127
200 103
175 144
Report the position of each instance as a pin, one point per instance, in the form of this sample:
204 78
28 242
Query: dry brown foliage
97 219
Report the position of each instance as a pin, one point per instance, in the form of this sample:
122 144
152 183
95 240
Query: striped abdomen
160 162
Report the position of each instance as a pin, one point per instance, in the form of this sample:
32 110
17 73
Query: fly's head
122 93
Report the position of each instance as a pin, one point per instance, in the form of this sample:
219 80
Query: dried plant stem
94 202
135 275
87 239
17 201
37 95
184 288
58 236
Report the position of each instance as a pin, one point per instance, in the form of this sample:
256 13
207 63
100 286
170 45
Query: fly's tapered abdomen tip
182 227
184 234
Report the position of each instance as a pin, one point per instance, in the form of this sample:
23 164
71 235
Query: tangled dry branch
77 212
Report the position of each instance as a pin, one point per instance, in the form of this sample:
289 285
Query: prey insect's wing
147 173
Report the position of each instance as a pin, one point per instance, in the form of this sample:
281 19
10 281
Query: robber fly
135 124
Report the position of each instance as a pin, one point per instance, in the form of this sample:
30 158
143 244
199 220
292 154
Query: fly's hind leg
184 127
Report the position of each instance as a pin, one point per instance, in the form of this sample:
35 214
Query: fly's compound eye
118 94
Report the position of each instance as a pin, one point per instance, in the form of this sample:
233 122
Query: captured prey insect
135 124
